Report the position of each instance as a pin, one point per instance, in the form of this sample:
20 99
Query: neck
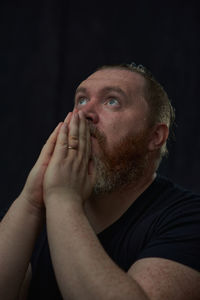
104 210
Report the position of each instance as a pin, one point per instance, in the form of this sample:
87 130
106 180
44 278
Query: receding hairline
141 85
119 68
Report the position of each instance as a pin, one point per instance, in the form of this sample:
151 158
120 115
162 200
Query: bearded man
114 229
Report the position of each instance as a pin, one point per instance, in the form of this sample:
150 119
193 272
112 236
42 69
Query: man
115 229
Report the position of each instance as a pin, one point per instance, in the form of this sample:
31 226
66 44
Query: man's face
112 100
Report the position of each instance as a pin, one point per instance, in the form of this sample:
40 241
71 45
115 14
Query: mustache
96 133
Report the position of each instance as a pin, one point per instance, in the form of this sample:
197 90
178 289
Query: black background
49 46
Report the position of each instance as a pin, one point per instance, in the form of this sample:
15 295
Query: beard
121 166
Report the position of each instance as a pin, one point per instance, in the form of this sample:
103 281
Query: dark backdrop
49 46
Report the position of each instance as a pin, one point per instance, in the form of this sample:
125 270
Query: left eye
113 101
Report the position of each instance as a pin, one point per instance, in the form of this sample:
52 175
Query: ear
159 136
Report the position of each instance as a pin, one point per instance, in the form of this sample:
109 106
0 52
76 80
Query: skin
62 182
27 209
117 115
106 108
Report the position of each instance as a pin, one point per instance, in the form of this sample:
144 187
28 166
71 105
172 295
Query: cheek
115 129
114 132
113 125
113 138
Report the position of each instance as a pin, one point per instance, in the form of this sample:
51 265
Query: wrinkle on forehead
132 83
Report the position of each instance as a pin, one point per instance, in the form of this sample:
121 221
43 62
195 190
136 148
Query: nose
90 112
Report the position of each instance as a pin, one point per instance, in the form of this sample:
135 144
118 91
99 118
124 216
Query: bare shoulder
26 283
165 279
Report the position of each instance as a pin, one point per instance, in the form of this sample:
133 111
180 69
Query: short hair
160 107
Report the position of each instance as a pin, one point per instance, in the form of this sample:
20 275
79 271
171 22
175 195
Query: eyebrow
104 90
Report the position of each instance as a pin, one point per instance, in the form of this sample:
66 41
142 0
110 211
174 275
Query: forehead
129 82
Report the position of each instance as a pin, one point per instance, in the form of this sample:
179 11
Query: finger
90 165
82 135
68 118
88 143
49 146
73 134
60 150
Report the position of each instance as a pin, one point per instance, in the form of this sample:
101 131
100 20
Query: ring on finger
70 147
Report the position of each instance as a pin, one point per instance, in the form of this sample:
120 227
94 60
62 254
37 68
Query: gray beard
105 179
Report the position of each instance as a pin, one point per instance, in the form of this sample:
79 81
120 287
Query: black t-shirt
163 222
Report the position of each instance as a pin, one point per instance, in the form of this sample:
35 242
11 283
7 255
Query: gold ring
70 147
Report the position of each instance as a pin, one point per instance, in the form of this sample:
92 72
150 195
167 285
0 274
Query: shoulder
168 265
177 202
164 203
169 195
174 231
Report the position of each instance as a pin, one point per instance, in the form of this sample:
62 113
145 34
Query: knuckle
62 144
73 137
73 142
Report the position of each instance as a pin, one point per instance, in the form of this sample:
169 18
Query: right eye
82 101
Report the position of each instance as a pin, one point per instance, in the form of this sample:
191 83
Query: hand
33 189
67 176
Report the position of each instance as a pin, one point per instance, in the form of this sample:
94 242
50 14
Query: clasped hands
62 169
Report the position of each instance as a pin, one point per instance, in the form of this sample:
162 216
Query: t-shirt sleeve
177 234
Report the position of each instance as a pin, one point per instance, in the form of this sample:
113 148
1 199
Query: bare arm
18 231
24 290
21 225
166 279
